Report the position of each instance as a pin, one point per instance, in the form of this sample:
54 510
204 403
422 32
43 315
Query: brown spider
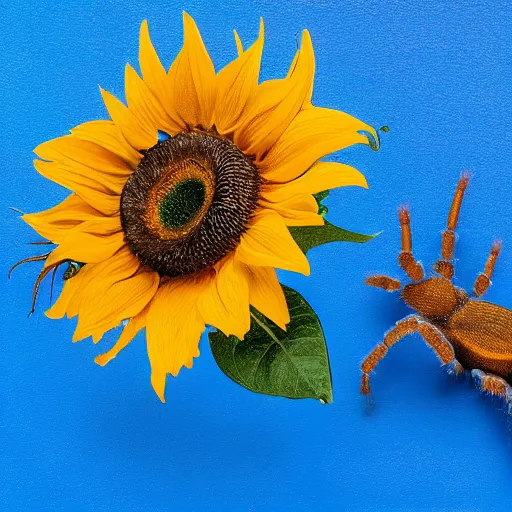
464 333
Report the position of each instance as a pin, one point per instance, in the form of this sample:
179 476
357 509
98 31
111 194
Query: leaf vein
259 362
276 340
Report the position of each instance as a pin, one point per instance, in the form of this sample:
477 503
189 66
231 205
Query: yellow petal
55 223
114 293
70 289
268 243
86 183
275 103
236 83
89 242
307 99
135 132
122 265
224 303
238 42
95 178
266 295
192 79
131 329
322 176
144 105
301 210
233 289
73 151
155 78
75 299
314 133
86 247
101 226
173 329
293 64
107 135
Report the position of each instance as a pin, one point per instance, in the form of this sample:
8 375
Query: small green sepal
374 138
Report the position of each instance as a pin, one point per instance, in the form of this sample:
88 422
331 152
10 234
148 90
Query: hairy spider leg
493 385
483 280
444 266
432 336
384 282
405 259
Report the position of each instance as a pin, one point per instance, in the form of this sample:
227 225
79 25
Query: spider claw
455 368
465 175
369 404
496 246
478 376
366 393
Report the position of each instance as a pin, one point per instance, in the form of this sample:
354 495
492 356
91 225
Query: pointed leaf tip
308 237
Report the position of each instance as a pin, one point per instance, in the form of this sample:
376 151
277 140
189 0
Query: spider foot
365 390
508 397
494 386
478 377
368 403
455 368
365 384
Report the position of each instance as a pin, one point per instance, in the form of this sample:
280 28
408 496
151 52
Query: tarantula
465 333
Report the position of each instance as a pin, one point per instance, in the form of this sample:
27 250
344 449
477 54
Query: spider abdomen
481 335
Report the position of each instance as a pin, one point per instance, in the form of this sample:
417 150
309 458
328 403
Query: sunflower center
188 202
180 205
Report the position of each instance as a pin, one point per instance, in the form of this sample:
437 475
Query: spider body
466 333
479 332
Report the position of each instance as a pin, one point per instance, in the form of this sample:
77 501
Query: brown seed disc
187 204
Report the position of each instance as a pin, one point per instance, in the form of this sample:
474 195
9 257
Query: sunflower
182 200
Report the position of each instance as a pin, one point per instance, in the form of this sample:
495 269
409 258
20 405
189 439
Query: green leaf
308 237
292 363
374 138
320 196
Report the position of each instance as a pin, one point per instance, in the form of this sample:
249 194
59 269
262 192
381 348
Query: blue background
74 436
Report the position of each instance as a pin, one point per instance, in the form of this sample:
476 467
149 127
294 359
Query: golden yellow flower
185 232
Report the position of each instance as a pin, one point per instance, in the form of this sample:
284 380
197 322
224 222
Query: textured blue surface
74 436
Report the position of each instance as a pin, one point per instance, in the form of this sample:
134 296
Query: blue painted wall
74 436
